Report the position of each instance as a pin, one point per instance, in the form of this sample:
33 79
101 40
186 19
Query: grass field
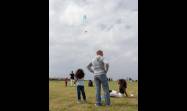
63 98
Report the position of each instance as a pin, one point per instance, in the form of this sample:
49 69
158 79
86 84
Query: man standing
99 68
72 78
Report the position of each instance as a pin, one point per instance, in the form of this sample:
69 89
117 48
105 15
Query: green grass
63 98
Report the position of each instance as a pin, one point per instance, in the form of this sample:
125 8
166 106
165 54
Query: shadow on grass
131 97
124 104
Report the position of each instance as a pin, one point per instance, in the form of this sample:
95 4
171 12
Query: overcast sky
109 25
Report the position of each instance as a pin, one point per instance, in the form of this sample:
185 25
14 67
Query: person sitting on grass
79 80
122 89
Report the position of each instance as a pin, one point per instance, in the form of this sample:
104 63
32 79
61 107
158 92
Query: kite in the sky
84 22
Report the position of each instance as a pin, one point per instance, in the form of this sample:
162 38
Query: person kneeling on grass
79 80
122 89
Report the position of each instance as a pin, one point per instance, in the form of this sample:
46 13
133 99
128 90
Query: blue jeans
102 80
80 89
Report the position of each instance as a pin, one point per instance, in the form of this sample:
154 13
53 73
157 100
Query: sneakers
108 105
98 104
78 101
84 101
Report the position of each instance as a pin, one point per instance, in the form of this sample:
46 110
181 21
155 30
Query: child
122 89
66 81
79 75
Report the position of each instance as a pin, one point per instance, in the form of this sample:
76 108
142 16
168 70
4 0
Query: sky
78 28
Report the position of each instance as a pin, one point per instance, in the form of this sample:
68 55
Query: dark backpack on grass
90 83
